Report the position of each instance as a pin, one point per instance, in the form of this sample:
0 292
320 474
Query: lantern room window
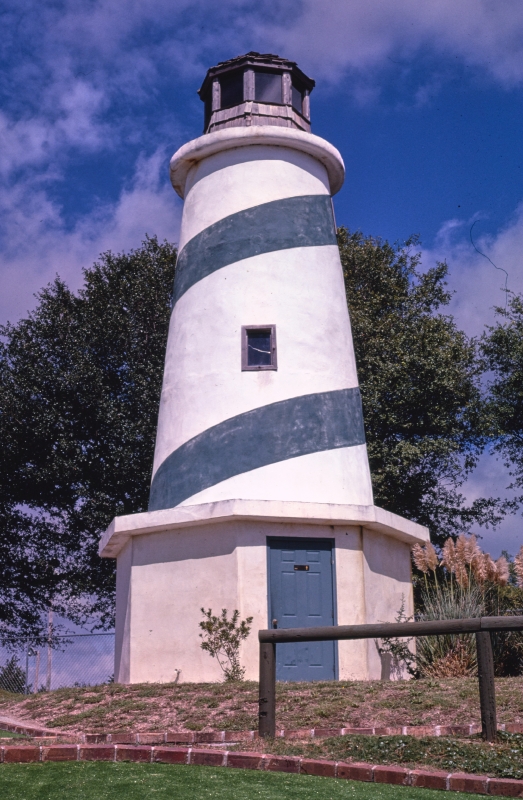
231 87
297 99
258 347
268 87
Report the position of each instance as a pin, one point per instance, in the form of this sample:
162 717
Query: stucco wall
388 584
122 655
297 286
175 573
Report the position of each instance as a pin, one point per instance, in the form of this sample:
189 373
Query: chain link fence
84 659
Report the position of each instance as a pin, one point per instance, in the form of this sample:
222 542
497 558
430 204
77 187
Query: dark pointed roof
253 59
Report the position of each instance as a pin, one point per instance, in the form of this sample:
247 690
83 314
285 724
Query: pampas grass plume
449 555
419 557
518 567
431 556
503 573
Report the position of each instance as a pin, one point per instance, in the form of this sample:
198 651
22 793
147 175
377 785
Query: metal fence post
487 691
49 650
26 687
267 698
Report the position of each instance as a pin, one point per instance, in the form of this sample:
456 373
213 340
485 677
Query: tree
502 348
12 677
80 382
420 385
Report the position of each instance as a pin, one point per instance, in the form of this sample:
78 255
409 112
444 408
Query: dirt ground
233 706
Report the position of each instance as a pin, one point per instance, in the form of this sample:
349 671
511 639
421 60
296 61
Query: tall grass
452 655
463 581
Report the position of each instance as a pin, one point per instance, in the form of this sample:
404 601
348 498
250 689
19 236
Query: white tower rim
231 138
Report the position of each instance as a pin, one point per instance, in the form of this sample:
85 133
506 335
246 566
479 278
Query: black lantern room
256 89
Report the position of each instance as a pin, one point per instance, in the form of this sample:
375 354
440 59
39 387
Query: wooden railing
482 627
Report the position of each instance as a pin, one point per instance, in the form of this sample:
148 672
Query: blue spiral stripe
275 432
305 221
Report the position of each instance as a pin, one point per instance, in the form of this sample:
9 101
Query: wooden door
301 595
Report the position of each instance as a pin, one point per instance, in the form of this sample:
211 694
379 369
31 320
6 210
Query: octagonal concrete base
173 562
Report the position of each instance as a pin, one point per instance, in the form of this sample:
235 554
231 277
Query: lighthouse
261 495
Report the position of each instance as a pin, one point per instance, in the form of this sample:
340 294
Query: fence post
26 687
49 650
267 698
487 691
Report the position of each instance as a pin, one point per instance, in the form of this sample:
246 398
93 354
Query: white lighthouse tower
261 496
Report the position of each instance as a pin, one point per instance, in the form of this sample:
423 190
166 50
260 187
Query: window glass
267 87
231 86
296 99
259 351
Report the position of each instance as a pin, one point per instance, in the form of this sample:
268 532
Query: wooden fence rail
482 627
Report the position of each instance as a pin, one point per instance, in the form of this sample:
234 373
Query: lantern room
256 89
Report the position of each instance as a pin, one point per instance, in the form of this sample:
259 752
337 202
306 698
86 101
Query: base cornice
372 517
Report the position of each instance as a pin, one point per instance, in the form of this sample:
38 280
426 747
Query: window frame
272 73
233 76
246 367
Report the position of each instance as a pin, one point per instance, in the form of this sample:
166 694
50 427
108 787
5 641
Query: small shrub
222 638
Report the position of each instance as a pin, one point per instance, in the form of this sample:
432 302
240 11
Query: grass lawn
11 735
218 706
504 759
98 781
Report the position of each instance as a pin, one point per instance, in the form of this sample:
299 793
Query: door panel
301 594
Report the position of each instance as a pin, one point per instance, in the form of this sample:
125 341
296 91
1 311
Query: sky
423 99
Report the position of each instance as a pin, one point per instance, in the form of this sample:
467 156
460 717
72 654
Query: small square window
268 87
259 347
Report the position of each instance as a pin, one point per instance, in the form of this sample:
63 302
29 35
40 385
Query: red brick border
433 779
215 737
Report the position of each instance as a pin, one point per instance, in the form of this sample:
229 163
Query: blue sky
423 99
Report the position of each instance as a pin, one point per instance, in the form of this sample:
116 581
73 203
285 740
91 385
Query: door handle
275 623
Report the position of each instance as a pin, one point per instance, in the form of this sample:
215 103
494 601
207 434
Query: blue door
301 595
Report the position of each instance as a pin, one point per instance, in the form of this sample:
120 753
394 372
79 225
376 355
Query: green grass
504 759
11 735
102 781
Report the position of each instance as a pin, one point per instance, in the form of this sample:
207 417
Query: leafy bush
222 639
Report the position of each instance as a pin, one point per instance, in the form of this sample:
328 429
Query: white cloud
477 284
490 479
69 66
335 35
478 288
40 246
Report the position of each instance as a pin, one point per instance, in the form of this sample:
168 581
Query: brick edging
217 737
400 776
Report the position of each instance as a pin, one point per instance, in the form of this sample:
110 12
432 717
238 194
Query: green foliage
507 646
400 650
449 655
12 676
80 381
222 638
419 378
466 583
502 759
502 349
